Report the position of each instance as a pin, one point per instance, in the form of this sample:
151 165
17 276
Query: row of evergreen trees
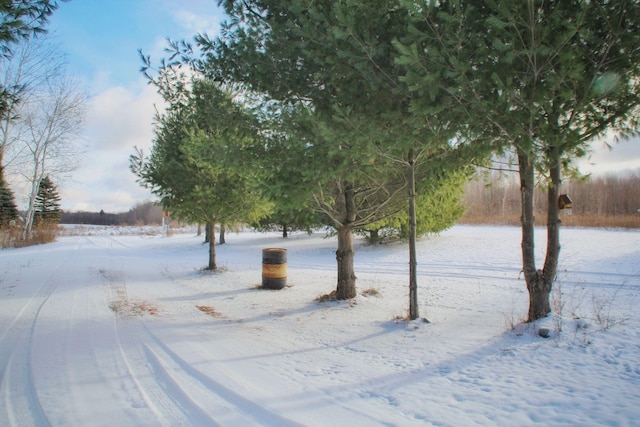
357 110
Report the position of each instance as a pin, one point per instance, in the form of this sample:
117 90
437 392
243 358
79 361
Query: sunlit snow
120 327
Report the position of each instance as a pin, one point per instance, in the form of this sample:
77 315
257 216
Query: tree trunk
413 262
346 206
208 227
539 282
345 255
541 306
211 233
30 217
222 237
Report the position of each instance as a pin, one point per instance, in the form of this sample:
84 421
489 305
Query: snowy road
78 350
127 330
66 339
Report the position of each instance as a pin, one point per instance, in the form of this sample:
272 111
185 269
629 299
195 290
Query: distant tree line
608 195
495 198
146 213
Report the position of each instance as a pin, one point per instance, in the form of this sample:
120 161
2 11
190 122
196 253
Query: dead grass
11 237
332 295
404 318
479 219
597 221
371 292
327 297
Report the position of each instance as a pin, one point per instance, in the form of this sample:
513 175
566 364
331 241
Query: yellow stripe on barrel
274 271
274 268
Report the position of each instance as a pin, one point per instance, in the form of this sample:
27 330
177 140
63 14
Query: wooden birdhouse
564 202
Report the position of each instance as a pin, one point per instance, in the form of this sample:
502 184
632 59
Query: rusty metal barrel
274 268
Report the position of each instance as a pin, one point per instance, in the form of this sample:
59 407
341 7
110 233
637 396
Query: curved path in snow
81 350
77 350
129 331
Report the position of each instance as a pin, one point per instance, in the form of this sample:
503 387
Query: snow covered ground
109 328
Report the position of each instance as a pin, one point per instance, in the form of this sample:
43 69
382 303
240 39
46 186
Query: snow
122 327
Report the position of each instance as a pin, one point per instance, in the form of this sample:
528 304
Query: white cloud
195 23
118 120
121 111
620 157
121 118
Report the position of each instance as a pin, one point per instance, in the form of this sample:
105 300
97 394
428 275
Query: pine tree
334 59
438 207
200 163
544 78
47 205
8 209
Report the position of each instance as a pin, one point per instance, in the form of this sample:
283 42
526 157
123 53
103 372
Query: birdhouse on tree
564 202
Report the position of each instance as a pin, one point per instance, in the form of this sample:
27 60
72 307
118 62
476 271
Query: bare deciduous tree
605 200
44 110
50 126
33 62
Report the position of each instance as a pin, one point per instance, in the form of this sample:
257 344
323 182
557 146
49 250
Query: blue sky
102 38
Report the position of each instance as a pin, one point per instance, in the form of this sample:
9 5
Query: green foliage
47 203
544 78
532 75
201 165
337 60
438 207
21 19
324 68
289 219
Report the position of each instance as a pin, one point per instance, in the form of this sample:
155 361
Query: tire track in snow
140 385
21 405
149 391
219 400
177 393
150 384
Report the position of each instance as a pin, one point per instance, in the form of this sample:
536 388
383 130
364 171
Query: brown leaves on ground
208 310
124 307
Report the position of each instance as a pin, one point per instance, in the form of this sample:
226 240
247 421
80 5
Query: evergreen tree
8 208
200 164
336 60
47 203
438 207
544 78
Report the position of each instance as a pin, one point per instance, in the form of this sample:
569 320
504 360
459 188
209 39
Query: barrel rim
274 250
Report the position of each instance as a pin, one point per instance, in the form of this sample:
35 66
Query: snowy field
110 328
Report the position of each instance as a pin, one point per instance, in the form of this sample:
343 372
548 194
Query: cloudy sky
101 38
